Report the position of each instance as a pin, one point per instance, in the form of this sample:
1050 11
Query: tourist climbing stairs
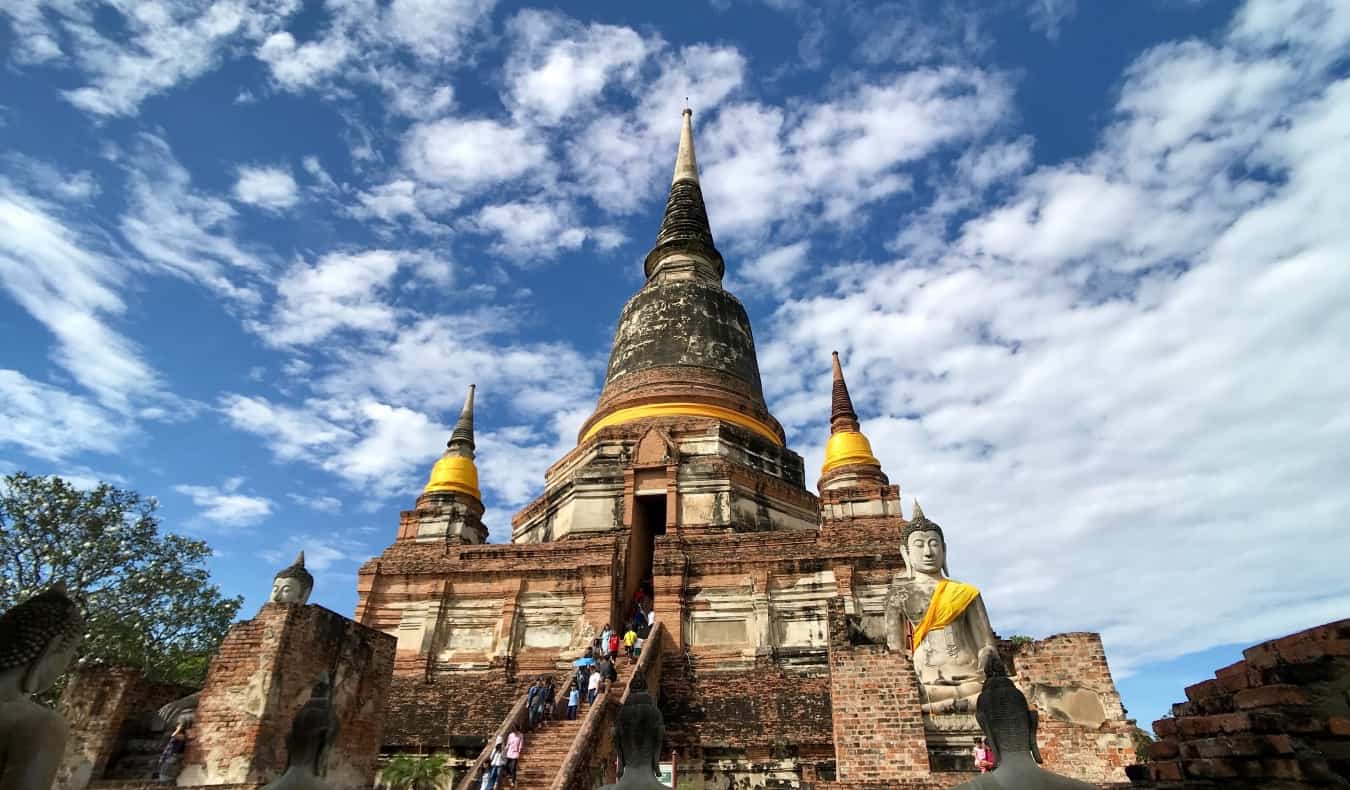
546 747
557 753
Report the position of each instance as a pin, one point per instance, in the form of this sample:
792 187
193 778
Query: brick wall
261 675
1279 718
103 705
877 725
1076 660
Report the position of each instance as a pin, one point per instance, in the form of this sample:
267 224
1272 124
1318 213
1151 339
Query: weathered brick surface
1275 720
108 708
261 675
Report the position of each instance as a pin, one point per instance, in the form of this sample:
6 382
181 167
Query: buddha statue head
38 639
1004 716
638 734
313 730
923 545
292 584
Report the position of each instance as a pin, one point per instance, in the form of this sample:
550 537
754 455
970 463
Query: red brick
1269 696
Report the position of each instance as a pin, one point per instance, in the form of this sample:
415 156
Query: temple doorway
649 521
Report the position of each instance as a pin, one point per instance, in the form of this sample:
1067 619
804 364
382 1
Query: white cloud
70 283
1047 16
775 270
1120 372
339 291
323 504
558 67
539 230
157 44
437 30
224 505
182 231
763 167
469 155
49 423
619 159
297 67
271 188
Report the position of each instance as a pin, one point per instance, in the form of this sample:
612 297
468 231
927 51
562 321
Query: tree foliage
148 601
414 772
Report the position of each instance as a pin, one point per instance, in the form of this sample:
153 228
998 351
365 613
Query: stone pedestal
262 674
111 711
874 693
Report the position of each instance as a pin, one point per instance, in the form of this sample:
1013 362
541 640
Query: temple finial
918 511
686 164
685 238
462 435
842 415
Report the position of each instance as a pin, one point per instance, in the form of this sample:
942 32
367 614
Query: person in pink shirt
514 743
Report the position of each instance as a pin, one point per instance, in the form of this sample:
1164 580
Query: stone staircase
547 747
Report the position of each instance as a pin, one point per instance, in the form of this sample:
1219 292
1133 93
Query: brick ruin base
111 713
261 675
1279 719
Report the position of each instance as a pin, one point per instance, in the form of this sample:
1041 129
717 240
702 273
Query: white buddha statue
953 642
38 640
292 584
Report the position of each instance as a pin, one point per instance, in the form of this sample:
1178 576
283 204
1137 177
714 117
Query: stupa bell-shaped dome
683 346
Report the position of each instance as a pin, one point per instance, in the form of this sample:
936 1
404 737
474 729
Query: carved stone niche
656 448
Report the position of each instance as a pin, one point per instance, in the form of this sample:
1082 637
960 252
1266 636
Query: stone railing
517 717
582 757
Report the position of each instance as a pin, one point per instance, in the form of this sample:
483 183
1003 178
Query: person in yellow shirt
629 639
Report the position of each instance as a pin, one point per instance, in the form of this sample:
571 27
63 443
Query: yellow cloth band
681 410
950 601
455 474
847 448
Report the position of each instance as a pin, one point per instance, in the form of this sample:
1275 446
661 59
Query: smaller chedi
952 641
293 583
638 733
313 731
38 640
1010 725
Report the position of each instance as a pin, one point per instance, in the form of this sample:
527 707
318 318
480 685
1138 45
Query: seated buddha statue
291 585
1010 725
313 732
952 640
638 734
38 639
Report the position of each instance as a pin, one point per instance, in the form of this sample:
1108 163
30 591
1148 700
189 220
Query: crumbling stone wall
1083 730
104 706
264 671
878 727
1279 719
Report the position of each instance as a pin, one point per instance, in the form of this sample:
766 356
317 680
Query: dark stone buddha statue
313 732
638 735
1009 724
38 640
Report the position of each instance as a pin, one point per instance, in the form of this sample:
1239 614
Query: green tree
413 772
148 601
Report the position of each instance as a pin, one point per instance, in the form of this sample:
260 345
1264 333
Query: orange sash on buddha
950 600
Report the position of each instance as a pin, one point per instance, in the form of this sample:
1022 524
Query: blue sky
1083 262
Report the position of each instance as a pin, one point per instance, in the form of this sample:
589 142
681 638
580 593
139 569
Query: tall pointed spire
685 234
461 438
456 471
842 415
686 164
847 446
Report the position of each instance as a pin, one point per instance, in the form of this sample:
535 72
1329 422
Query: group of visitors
503 760
984 756
595 671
